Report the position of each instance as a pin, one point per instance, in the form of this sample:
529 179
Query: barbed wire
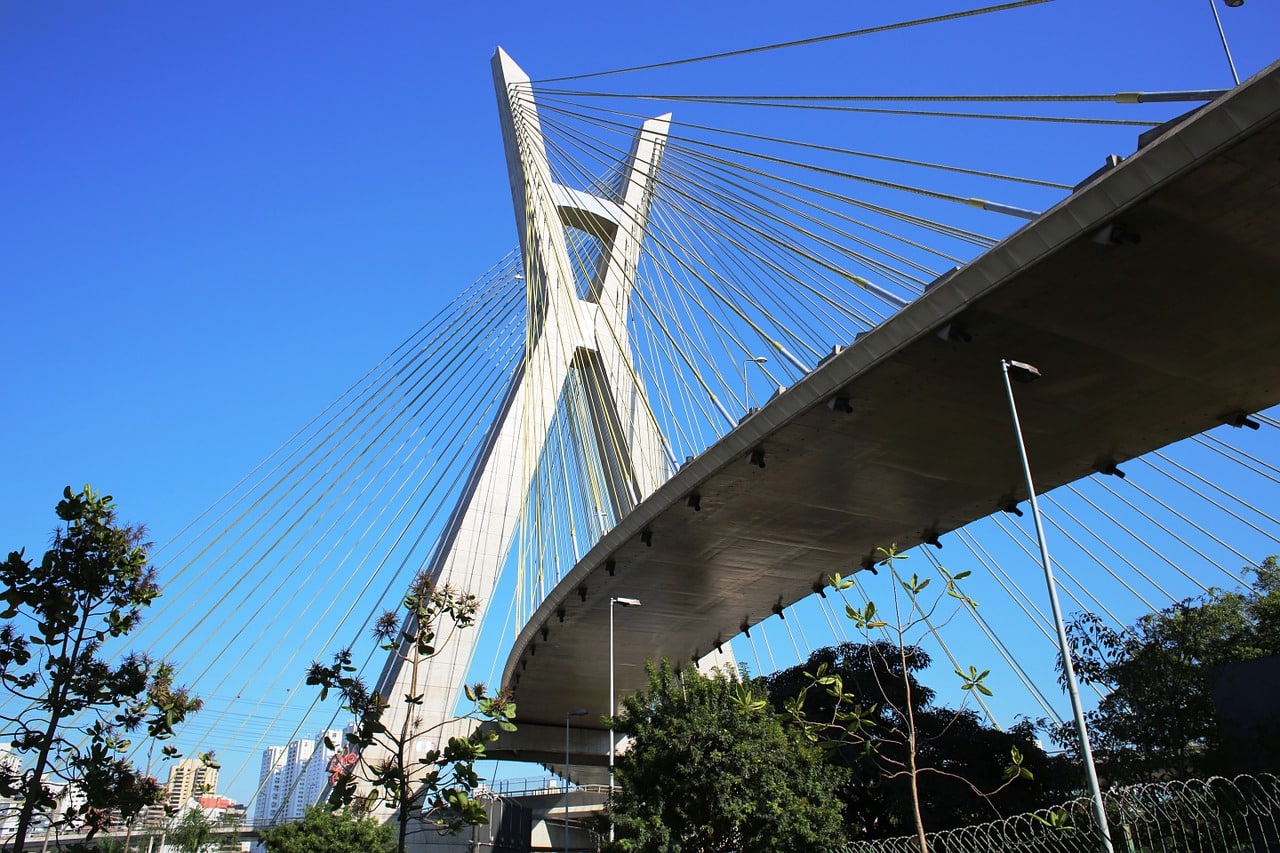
1215 814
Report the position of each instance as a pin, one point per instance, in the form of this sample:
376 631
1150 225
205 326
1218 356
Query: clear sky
215 216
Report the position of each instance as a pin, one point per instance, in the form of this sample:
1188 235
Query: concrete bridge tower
574 325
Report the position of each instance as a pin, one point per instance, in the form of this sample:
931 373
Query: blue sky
215 217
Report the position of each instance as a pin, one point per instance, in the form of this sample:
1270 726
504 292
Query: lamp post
1022 372
746 386
577 712
613 708
1222 35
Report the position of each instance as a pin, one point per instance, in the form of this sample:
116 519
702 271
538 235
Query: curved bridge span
1147 299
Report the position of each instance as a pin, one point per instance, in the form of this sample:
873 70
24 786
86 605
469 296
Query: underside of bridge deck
1148 299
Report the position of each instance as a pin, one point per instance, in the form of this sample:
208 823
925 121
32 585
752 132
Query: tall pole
612 713
746 383
1028 374
613 708
576 713
1222 34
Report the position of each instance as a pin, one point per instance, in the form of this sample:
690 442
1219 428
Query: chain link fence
1216 815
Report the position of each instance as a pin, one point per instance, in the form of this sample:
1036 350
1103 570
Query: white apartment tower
270 786
293 777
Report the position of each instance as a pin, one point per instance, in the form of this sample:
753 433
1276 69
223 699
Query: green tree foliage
882 722
192 833
958 755
110 845
77 709
434 786
711 767
324 831
102 845
1158 719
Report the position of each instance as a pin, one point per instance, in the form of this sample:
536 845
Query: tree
712 768
1158 719
885 718
193 832
77 708
434 785
110 845
968 754
325 831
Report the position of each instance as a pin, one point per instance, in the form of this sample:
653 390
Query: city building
189 778
10 767
293 777
224 816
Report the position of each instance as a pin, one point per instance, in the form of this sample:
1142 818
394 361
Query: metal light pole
1026 373
746 386
1222 34
613 708
578 712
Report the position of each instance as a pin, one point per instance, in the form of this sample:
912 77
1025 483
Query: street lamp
613 707
578 712
1222 35
1022 372
746 386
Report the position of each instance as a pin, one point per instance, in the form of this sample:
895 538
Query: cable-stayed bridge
631 475
904 435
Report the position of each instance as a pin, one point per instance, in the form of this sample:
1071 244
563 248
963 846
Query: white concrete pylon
567 331
587 331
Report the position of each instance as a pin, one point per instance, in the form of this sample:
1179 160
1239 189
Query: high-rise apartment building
189 778
293 777
11 767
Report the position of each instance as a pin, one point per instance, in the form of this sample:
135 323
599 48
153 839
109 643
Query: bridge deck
1140 343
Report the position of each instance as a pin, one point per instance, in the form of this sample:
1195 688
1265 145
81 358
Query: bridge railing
1237 815
546 784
